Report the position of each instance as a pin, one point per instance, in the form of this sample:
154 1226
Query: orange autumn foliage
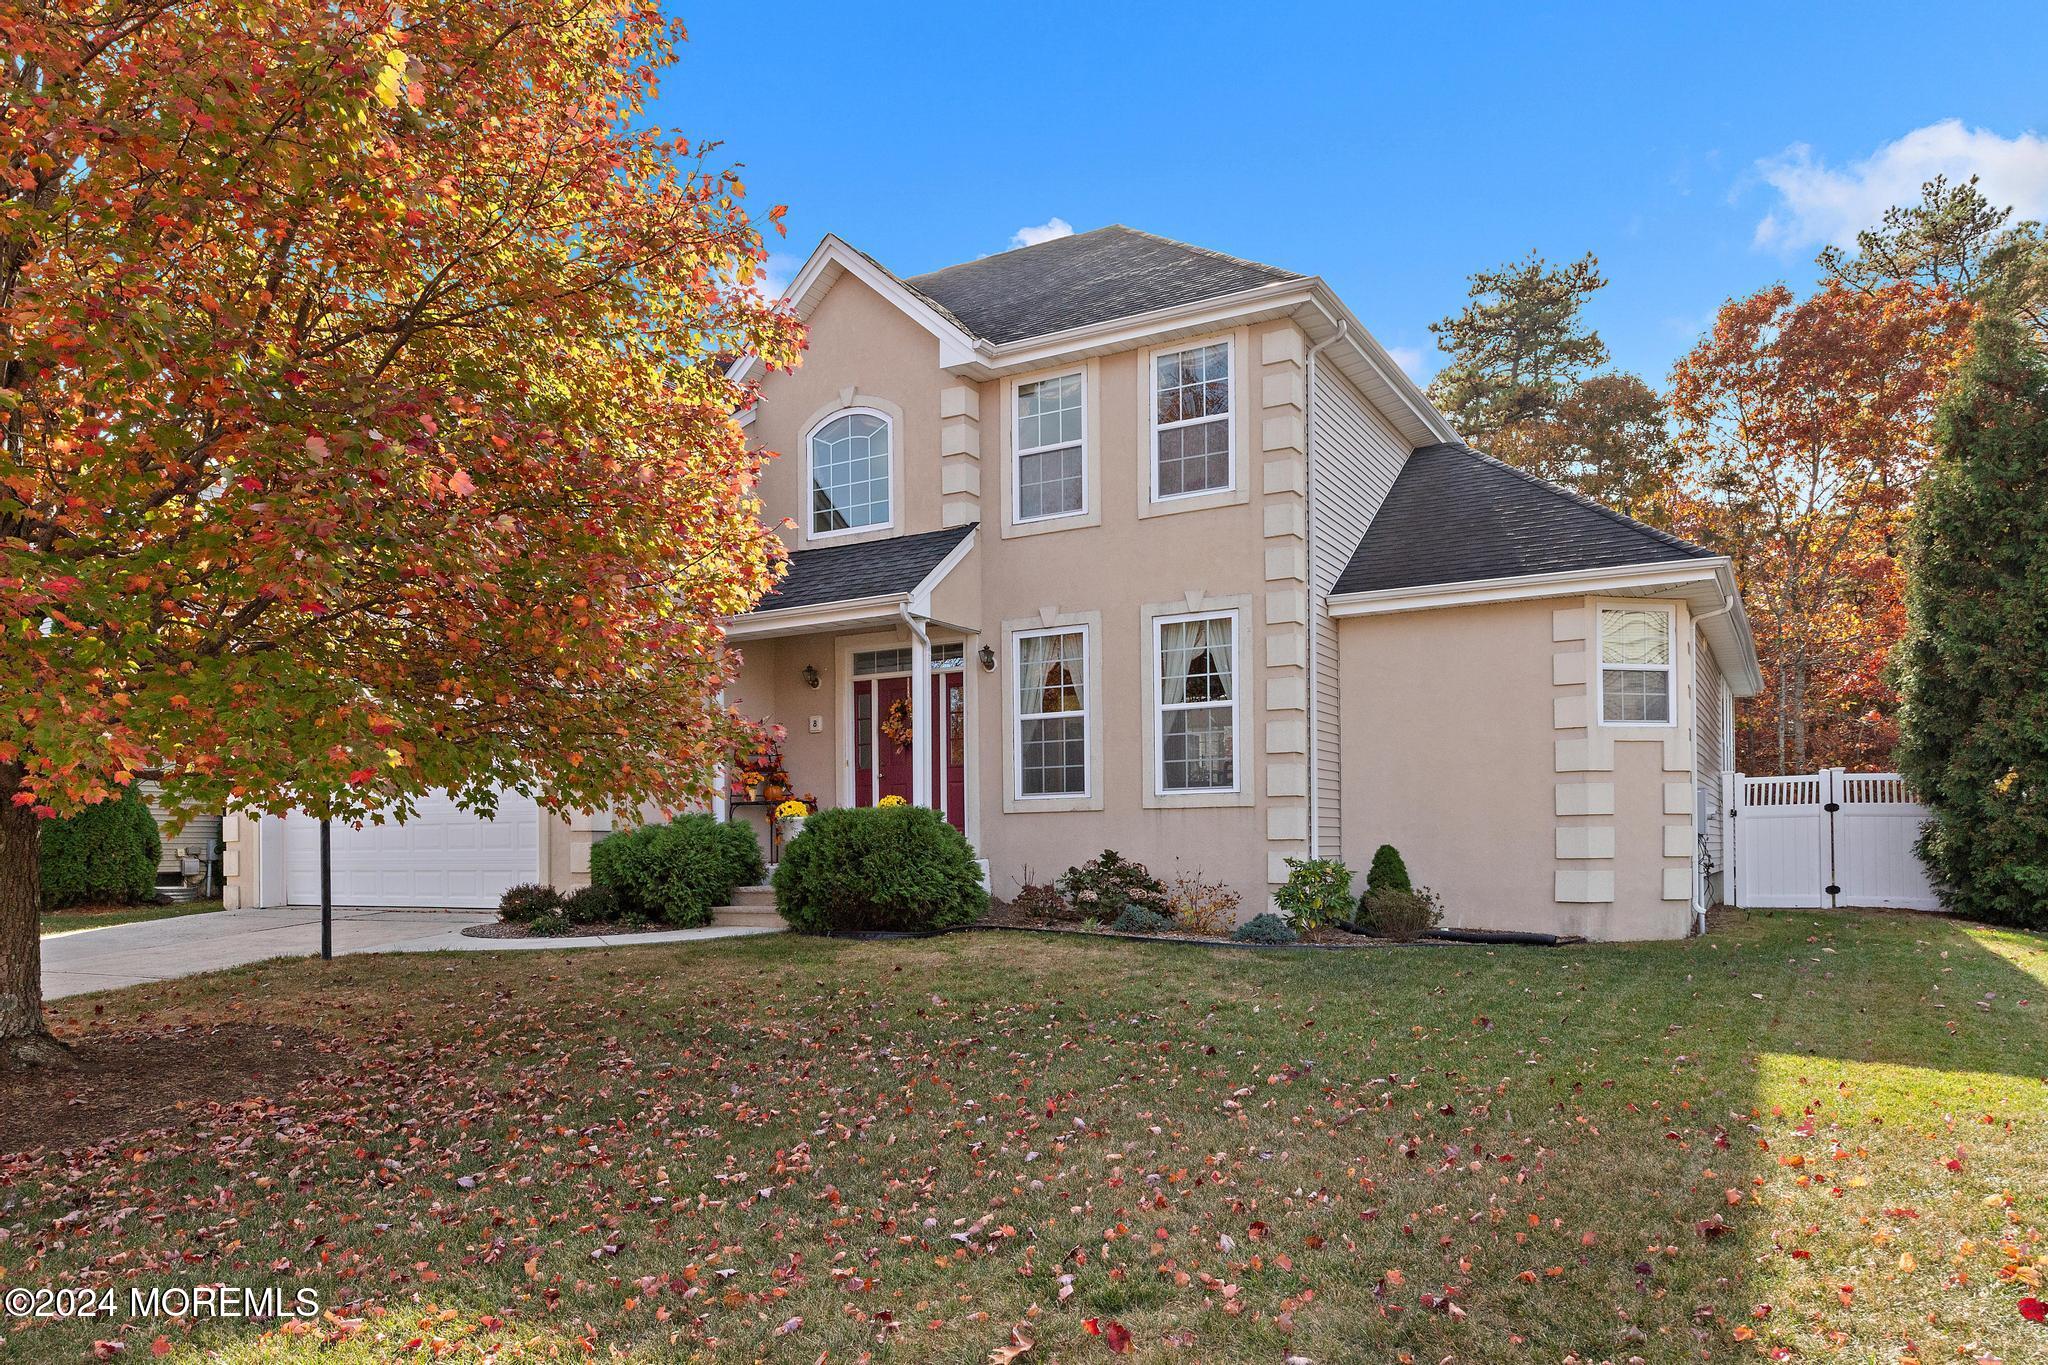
1804 427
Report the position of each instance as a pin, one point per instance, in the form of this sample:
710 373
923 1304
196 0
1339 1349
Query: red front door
949 747
881 764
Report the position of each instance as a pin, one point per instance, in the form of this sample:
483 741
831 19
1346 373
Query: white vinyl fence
1825 839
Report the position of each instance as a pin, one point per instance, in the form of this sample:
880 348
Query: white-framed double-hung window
1196 657
1636 674
1051 462
1193 441
1052 712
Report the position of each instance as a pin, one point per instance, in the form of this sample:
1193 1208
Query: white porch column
920 719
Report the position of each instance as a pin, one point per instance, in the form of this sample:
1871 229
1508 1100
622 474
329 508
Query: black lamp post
326 893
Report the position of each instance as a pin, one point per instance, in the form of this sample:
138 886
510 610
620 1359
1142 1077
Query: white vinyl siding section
1710 760
1354 457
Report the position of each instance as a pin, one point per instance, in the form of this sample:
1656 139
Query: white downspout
1699 899
1308 531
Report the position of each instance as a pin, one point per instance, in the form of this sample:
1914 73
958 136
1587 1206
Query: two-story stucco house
1149 548
1115 542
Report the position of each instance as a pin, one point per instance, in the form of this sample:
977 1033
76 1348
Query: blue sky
1701 151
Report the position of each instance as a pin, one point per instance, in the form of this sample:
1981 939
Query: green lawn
70 921
1821 1134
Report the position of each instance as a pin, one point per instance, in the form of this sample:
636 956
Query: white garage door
442 856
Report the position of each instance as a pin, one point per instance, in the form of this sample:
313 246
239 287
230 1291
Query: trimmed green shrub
1399 914
1104 885
1318 892
105 854
1973 713
679 872
1265 928
1136 919
525 903
1388 872
591 905
878 868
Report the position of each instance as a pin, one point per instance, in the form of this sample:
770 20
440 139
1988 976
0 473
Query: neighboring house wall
1492 774
1355 456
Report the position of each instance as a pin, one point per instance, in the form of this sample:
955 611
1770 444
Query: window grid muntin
1197 702
850 473
1193 436
1051 443
1051 736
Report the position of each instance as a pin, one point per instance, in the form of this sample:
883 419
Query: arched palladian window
850 473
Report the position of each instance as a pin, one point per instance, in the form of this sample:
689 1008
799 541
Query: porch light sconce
988 658
811 676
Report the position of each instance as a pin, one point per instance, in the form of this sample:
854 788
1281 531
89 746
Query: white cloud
1820 204
776 273
1050 230
1413 362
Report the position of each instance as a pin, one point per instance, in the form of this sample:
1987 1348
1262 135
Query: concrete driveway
160 950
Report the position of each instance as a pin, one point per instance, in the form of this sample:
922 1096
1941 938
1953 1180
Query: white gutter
1308 531
1699 883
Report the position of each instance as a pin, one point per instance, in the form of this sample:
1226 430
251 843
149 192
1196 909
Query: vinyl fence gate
1825 839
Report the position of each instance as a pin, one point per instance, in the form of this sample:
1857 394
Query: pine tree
1973 670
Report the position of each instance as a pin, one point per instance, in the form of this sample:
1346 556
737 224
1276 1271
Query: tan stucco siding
1471 744
1447 756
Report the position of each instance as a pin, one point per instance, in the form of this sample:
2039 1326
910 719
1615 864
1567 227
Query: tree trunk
23 1035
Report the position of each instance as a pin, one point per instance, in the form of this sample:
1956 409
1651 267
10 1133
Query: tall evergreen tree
1973 670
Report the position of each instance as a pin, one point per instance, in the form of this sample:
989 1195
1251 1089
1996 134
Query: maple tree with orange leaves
367 428
1804 426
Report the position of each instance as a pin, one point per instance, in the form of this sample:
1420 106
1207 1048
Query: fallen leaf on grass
1113 1333
2034 1310
1020 1342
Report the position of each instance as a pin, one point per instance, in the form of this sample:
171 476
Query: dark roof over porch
869 568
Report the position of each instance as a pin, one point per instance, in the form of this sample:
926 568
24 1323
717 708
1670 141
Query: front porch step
762 896
747 917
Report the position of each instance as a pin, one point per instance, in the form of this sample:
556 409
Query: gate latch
1834 890
1832 806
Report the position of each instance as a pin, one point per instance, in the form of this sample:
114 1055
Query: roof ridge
1200 250
1015 250
1574 494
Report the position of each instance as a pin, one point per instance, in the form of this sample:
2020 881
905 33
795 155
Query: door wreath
898 723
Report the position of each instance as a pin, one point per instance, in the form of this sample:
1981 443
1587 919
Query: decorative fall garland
898 723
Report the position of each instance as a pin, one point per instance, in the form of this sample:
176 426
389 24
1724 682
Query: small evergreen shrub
1318 892
679 872
1105 884
1136 919
1201 907
591 905
878 868
525 903
105 854
1388 872
1265 928
553 924
1042 901
1400 914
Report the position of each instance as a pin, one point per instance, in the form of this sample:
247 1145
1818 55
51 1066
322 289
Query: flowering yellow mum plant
792 810
892 800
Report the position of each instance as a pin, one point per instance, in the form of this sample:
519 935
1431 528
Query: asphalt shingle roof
869 568
1111 272
1455 515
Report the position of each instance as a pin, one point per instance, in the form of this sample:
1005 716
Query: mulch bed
500 929
127 1083
1001 916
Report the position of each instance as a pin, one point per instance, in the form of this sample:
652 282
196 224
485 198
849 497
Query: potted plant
790 814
